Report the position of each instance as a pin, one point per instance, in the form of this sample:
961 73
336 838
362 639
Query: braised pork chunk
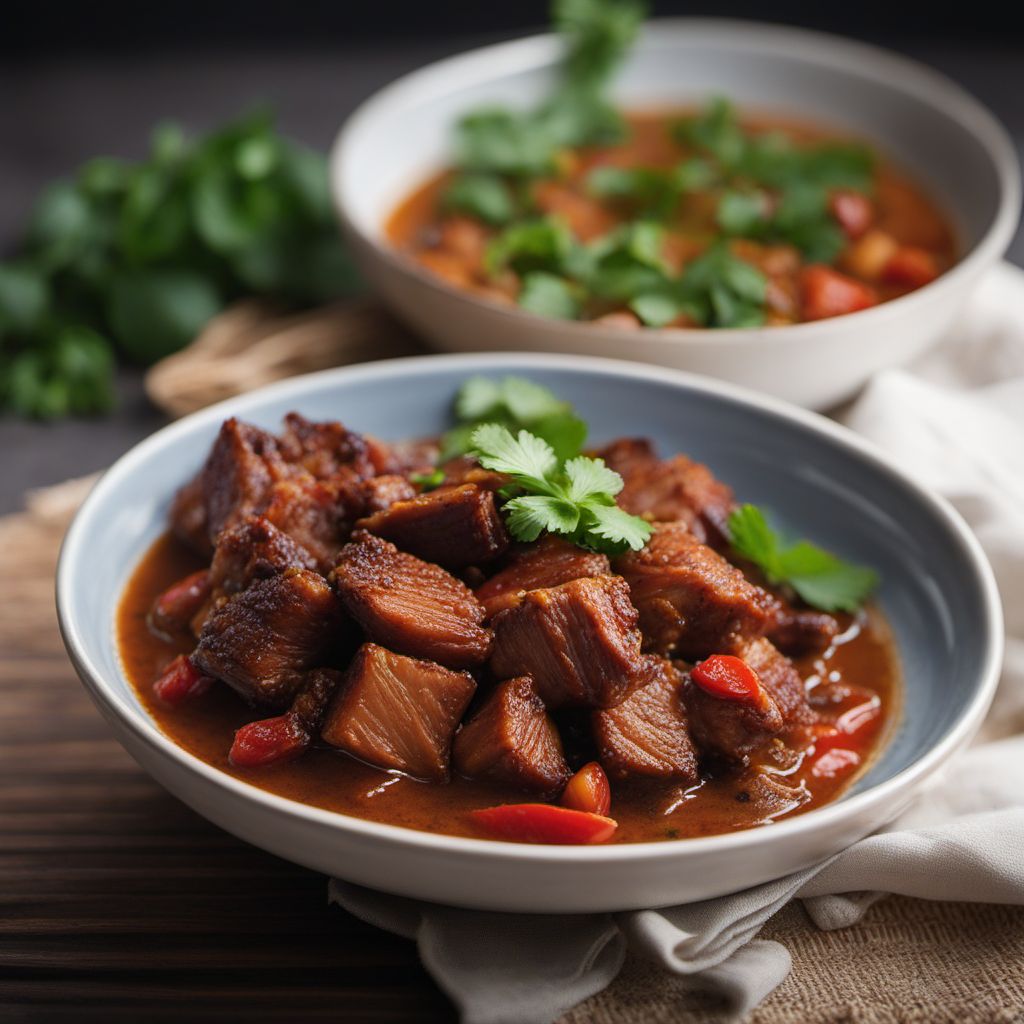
254 549
454 527
410 606
398 713
381 492
692 602
647 735
513 740
545 563
262 640
578 641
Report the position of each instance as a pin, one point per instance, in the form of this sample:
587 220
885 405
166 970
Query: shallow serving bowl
815 477
918 118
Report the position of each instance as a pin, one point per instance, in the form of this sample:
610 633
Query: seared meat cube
243 465
409 605
309 708
381 492
671 489
692 602
512 740
546 563
729 729
323 449
647 734
188 517
771 795
802 631
263 639
398 713
454 527
732 729
402 456
254 549
578 641
318 514
464 469
779 677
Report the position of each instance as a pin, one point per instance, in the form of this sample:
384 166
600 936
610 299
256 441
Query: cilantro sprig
574 498
821 578
517 404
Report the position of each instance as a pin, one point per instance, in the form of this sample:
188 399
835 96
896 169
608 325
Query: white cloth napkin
955 421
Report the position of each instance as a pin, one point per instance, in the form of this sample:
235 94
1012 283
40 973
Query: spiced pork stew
710 216
504 633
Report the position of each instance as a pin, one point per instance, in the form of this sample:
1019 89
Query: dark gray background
81 95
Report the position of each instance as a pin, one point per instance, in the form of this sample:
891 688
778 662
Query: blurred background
80 80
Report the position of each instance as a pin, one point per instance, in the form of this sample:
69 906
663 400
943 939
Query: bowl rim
824 49
135 720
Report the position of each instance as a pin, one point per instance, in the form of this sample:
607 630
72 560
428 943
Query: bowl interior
814 483
917 117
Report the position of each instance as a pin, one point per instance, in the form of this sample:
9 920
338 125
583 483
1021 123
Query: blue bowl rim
147 732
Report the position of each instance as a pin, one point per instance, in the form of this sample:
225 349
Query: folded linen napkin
955 421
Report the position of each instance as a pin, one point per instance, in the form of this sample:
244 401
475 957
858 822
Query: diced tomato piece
544 823
853 211
826 293
588 790
728 678
835 762
174 608
180 681
911 267
269 741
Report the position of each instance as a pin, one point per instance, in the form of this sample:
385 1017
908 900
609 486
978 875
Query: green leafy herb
134 258
822 579
515 403
485 196
574 498
543 244
548 295
597 34
428 481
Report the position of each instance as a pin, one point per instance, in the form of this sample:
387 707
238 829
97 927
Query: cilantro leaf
484 196
544 244
428 481
575 499
548 295
821 578
515 403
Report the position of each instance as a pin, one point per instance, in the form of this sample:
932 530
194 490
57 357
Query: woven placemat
907 962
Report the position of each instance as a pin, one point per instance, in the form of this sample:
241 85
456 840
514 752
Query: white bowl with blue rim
927 124
817 479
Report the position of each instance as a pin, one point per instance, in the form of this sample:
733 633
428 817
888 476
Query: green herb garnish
134 258
597 34
822 579
574 498
428 481
517 404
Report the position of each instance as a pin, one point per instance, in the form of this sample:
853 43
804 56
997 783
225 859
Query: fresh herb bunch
822 579
517 404
574 498
497 144
132 259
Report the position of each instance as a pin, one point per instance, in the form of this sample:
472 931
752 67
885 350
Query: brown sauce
864 658
452 246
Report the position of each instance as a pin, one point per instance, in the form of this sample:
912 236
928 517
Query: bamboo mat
117 903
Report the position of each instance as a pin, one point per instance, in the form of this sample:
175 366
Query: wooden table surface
118 903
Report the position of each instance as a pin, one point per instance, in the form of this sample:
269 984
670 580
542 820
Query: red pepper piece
588 790
825 293
728 678
174 608
269 741
544 823
181 681
853 211
911 267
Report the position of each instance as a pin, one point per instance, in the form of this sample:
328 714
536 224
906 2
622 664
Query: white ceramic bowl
925 122
820 480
